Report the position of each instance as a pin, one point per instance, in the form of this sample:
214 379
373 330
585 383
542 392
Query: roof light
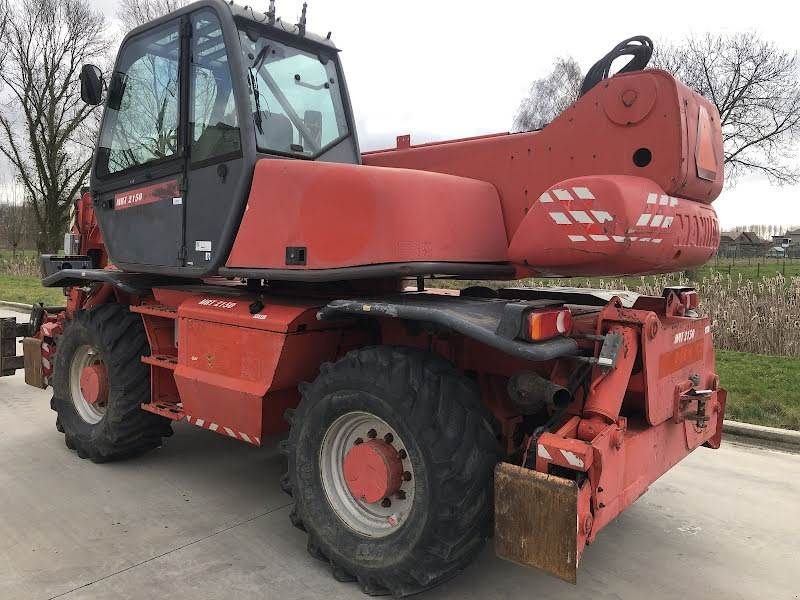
548 323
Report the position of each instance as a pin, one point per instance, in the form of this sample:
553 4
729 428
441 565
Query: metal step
169 410
165 361
156 310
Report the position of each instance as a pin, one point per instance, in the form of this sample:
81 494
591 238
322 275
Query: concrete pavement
204 518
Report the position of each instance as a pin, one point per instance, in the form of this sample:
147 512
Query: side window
213 122
141 121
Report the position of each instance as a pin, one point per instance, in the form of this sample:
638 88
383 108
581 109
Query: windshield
295 97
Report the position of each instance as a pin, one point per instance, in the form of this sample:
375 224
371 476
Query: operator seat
216 140
278 132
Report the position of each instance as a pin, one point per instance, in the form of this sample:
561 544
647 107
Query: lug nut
372 434
407 476
388 438
402 454
386 503
358 441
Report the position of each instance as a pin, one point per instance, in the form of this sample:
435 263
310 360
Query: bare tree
45 127
4 13
550 96
756 87
133 13
14 218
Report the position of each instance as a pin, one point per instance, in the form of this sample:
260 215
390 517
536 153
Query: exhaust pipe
530 393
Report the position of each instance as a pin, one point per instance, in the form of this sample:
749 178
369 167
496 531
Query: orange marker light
690 299
705 159
549 323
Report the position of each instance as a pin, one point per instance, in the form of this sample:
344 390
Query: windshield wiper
257 101
280 97
254 68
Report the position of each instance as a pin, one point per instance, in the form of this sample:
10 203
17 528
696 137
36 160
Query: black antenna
302 24
271 12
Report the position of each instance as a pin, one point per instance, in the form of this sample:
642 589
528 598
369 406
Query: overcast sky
439 69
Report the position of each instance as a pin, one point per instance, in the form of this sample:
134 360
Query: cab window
296 100
213 122
141 120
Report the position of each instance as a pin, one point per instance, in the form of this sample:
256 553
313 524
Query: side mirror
91 85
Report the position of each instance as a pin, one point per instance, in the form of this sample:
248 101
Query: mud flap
32 352
536 520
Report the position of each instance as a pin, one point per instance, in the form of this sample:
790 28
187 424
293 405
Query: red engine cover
352 215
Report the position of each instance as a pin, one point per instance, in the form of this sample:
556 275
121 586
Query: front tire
111 340
437 519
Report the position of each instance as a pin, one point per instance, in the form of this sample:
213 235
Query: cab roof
247 13
241 14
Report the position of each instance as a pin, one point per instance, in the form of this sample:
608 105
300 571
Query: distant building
735 244
789 242
776 252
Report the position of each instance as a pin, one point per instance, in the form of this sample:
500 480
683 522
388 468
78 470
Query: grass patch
29 290
8 254
761 389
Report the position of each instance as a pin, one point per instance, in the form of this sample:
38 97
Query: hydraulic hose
640 47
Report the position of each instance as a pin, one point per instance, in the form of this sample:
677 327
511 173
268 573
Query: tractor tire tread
444 410
126 430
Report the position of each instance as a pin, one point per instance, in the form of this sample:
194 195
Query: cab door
216 173
138 176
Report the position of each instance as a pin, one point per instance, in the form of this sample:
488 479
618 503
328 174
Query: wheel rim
90 408
371 519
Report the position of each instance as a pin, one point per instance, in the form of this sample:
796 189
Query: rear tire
450 448
115 337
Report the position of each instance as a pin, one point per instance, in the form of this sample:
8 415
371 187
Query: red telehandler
239 264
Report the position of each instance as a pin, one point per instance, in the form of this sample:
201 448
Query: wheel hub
367 474
94 384
88 384
373 471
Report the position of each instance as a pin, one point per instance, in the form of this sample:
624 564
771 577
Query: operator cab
195 99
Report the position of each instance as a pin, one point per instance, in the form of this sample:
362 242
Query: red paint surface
373 471
629 226
235 369
350 215
687 354
94 384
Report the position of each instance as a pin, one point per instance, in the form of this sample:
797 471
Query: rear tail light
690 299
548 323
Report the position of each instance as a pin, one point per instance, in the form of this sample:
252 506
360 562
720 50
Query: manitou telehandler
239 264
